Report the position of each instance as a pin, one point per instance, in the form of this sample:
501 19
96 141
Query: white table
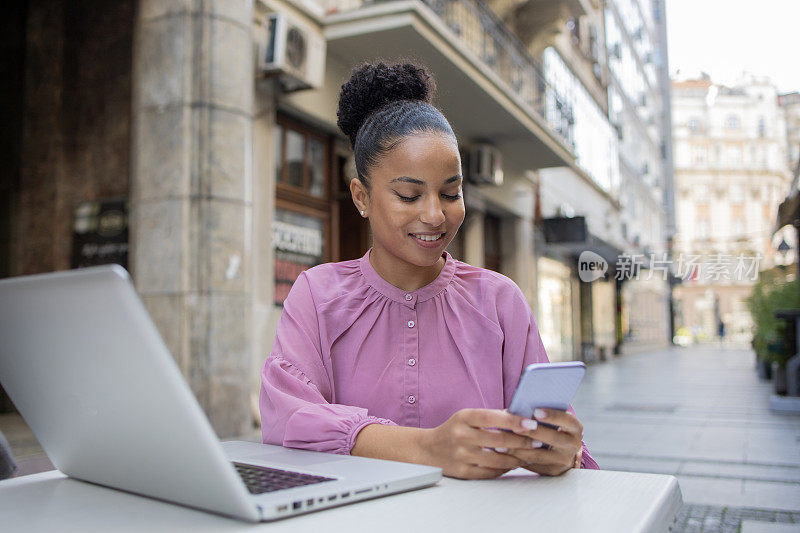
579 501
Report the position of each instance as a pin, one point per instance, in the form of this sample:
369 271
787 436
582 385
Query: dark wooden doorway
353 229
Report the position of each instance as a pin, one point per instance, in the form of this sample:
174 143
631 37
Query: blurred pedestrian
7 465
721 331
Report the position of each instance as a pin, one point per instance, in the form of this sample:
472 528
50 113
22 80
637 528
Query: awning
571 235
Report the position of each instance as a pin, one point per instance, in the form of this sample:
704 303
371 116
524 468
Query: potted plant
770 341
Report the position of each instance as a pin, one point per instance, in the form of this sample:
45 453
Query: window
738 227
302 225
737 194
732 122
703 228
734 156
300 159
694 125
762 128
701 194
294 158
699 155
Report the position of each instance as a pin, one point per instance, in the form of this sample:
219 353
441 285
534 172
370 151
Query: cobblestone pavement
716 519
702 415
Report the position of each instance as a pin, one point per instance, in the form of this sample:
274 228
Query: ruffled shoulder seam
294 368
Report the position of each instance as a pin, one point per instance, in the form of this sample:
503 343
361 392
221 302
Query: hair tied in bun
382 103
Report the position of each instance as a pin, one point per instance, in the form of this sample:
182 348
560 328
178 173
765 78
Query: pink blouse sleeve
295 390
521 347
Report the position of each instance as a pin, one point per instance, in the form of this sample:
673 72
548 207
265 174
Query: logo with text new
591 266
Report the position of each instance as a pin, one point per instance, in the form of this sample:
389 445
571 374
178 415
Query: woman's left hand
559 447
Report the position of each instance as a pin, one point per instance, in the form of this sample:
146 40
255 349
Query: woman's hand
463 446
558 448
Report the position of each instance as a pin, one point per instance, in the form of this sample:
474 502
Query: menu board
100 233
299 245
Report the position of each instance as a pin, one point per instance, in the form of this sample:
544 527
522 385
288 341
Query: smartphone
548 385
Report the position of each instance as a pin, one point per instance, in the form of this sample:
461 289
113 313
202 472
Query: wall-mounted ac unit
293 51
485 165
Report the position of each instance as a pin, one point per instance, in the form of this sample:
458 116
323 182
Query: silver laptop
84 364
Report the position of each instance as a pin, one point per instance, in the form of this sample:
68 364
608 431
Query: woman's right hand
463 446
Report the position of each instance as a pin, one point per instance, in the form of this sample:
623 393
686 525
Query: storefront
645 310
315 221
555 309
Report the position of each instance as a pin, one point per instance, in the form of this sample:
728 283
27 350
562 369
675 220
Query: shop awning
571 235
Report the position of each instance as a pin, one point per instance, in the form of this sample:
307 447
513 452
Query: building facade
207 132
639 110
731 174
790 104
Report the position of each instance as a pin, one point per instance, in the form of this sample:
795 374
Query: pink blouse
351 350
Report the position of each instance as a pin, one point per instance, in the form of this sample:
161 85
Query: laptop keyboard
260 479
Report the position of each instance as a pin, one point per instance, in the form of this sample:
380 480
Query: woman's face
415 203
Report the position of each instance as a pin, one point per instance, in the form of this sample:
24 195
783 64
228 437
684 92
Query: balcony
490 88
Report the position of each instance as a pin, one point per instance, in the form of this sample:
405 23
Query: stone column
191 193
473 239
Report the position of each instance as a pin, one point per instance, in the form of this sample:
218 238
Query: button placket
411 381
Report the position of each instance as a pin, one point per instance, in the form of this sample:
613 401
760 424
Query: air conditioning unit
293 51
484 164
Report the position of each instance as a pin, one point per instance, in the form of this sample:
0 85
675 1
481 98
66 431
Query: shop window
316 167
295 156
299 245
303 221
301 156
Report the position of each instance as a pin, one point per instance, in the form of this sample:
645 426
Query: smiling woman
408 354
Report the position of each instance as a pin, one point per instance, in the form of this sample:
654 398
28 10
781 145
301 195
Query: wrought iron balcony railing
483 33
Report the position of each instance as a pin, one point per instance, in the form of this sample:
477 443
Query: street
699 413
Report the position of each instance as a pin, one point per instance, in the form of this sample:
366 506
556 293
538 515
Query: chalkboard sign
100 233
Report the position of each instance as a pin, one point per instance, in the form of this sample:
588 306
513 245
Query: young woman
408 354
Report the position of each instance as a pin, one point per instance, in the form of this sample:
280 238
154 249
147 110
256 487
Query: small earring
362 213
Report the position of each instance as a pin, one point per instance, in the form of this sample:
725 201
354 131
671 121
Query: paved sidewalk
701 414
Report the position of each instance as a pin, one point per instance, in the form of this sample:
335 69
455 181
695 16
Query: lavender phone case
548 385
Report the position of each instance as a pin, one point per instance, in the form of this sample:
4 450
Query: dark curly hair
381 104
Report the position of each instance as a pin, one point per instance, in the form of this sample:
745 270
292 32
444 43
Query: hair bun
373 85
